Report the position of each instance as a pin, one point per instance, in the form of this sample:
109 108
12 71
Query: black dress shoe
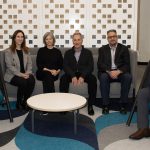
140 133
105 110
90 110
123 110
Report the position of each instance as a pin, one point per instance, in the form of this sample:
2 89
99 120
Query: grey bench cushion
81 90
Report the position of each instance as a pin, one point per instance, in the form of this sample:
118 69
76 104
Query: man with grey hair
78 67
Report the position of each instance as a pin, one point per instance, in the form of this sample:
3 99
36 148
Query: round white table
57 102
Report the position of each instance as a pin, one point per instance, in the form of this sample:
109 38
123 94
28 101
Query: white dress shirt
113 51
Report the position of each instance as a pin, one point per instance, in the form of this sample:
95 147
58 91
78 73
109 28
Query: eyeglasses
112 37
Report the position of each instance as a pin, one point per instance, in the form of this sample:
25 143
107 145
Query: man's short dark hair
112 30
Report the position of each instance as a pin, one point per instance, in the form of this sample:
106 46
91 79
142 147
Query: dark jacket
84 66
122 59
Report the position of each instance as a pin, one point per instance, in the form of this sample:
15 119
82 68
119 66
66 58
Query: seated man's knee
104 77
127 77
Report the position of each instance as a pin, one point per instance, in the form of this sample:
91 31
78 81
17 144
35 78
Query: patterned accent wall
63 17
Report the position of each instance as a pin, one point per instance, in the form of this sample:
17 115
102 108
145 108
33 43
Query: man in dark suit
78 68
114 66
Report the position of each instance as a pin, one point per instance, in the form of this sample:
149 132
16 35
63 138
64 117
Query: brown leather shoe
140 133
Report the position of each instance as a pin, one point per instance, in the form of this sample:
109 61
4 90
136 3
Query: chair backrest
1 81
2 62
133 65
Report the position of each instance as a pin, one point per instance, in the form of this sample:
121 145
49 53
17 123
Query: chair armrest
2 61
133 66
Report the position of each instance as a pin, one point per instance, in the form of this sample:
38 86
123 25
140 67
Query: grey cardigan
13 64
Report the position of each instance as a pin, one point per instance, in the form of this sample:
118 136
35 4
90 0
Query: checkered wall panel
63 17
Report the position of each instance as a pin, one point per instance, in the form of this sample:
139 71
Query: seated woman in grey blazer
19 68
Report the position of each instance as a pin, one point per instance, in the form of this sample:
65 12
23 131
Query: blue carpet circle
15 113
55 131
111 119
27 140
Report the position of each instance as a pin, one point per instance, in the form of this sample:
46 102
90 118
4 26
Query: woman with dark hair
49 62
19 68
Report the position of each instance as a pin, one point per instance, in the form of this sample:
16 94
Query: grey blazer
13 64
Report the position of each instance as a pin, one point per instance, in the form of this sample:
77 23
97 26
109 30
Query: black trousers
105 80
89 79
25 87
48 82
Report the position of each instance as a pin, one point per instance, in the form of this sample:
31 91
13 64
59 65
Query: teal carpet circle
112 119
12 106
15 113
9 134
26 140
55 131
112 127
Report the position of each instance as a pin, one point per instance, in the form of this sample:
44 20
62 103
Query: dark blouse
20 55
49 58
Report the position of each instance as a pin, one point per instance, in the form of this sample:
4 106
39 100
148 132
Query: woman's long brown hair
23 45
